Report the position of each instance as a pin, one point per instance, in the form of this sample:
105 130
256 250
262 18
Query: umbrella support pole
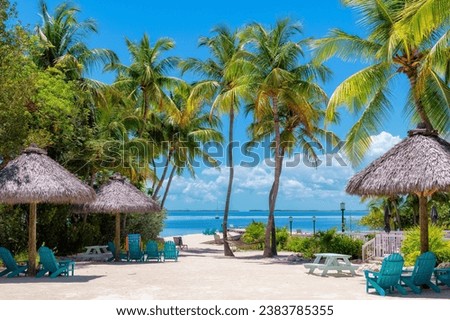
117 237
32 240
423 222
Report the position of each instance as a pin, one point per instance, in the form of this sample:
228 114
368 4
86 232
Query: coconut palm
187 129
61 37
405 37
286 95
146 78
226 82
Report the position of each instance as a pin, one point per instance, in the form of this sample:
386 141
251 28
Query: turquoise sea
182 222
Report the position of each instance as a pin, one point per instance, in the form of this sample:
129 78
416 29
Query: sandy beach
202 272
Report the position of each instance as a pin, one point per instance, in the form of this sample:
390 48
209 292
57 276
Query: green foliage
411 244
325 241
254 233
373 220
148 225
282 237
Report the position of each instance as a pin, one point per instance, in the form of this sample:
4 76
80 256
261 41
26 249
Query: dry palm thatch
119 196
419 164
34 178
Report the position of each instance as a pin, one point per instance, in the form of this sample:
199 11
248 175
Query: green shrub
325 241
254 233
411 244
282 237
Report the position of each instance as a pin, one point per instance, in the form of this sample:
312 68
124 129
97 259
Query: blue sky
302 188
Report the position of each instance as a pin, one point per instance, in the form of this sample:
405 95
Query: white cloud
301 186
382 143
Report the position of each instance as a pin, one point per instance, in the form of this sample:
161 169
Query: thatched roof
120 196
33 177
419 163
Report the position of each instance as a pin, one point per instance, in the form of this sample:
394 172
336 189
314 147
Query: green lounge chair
12 268
112 248
134 248
170 251
53 266
442 276
152 252
421 274
388 277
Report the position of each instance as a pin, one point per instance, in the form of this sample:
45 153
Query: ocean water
184 222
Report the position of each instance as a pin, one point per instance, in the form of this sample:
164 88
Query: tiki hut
419 164
119 196
35 178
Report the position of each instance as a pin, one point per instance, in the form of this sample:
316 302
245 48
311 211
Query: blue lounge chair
112 248
442 276
152 252
134 248
53 266
170 251
388 277
421 274
12 268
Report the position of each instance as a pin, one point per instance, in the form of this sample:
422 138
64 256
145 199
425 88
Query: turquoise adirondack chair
388 277
151 251
442 276
421 274
112 248
134 248
170 251
53 266
12 268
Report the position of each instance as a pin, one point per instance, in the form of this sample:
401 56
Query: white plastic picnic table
333 261
96 249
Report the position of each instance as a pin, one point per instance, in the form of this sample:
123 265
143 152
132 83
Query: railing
368 249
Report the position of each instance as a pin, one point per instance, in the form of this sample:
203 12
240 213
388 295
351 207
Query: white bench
333 261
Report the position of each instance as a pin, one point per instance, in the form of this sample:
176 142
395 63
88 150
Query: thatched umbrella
119 196
35 178
419 164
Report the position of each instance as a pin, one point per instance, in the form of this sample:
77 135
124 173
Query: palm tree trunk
32 240
412 77
158 187
423 222
117 237
226 247
268 251
166 192
154 170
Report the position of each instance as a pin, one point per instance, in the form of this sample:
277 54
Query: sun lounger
179 243
170 251
442 276
152 252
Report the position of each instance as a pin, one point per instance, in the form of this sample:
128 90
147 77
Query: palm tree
227 83
146 78
286 93
61 37
405 37
187 129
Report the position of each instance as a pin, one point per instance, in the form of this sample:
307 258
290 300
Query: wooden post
32 240
423 222
117 236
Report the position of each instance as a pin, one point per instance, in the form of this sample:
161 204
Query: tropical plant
61 42
286 94
185 129
411 244
146 79
226 84
405 37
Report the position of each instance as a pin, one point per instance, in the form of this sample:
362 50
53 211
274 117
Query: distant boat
217 217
